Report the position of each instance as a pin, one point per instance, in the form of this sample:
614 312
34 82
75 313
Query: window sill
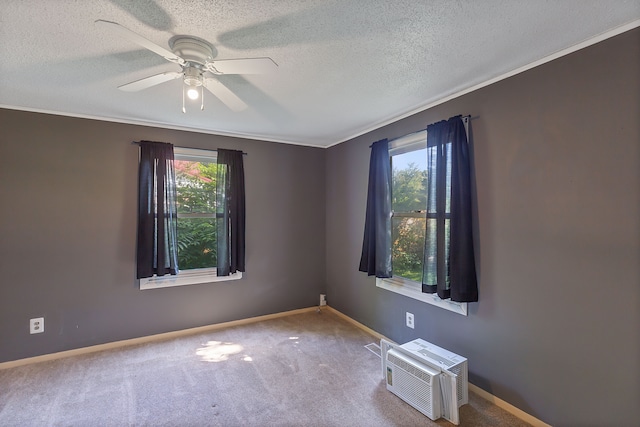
413 290
187 277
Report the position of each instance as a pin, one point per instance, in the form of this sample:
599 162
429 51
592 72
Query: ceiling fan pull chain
202 97
184 110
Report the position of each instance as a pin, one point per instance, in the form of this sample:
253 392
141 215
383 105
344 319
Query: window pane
431 257
196 185
437 160
432 173
196 243
408 246
409 181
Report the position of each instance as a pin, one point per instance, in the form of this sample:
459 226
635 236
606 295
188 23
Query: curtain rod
206 149
464 118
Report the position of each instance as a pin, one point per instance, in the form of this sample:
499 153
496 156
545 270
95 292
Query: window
196 200
196 172
409 163
408 204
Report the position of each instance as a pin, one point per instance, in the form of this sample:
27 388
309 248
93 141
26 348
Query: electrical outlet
36 326
410 320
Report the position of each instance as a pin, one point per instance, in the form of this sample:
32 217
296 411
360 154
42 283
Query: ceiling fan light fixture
192 93
192 76
193 79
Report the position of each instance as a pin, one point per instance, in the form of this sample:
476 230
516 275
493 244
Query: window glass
195 184
409 200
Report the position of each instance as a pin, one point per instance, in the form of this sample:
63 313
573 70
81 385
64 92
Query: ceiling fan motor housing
196 52
192 49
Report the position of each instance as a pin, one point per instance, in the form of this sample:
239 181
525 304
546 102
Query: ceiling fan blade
138 39
225 95
242 66
150 81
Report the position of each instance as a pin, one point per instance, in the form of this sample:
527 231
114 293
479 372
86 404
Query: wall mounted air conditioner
429 378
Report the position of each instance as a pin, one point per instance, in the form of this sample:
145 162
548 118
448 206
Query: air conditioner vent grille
413 392
419 373
462 380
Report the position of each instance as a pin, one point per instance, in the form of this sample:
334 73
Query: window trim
400 285
193 276
412 289
186 277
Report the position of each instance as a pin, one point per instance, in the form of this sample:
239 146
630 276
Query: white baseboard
356 323
149 338
507 407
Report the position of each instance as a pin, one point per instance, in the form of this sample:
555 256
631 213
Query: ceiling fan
195 57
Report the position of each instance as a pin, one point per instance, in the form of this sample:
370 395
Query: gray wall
556 331
68 224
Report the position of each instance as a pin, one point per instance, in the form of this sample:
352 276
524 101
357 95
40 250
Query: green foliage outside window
196 183
409 195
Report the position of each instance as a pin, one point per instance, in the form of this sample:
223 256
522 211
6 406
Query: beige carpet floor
309 369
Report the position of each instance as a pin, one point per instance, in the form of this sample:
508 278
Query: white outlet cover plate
36 326
410 320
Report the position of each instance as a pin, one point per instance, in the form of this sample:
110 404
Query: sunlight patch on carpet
216 351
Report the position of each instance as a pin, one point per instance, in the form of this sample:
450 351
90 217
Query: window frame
196 275
400 285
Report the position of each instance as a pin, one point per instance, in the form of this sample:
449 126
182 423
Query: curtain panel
376 245
230 212
157 251
449 261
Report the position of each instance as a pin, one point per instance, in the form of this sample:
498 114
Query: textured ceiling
345 67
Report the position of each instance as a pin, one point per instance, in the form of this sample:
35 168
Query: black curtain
230 212
376 245
157 211
449 262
